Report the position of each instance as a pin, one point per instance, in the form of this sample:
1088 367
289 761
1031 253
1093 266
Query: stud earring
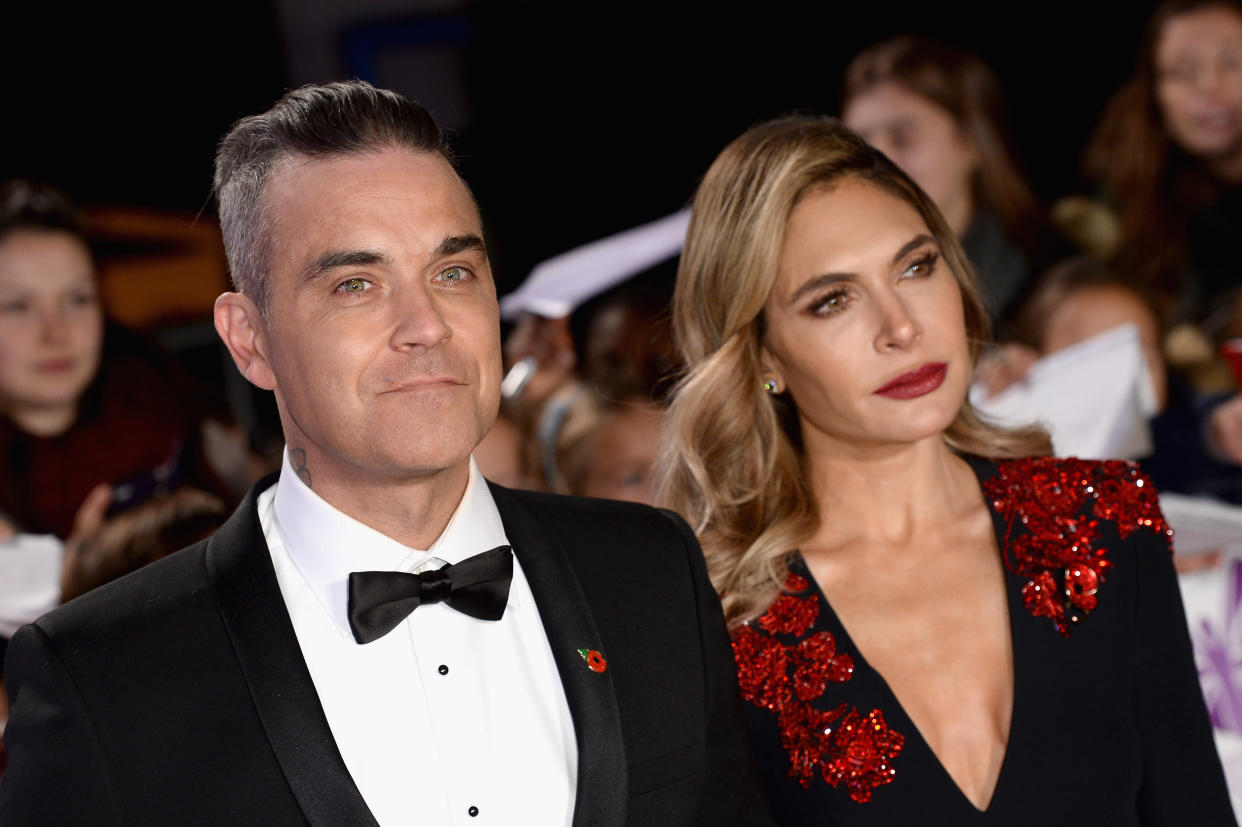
770 386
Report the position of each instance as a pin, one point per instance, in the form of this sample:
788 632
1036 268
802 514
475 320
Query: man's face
382 333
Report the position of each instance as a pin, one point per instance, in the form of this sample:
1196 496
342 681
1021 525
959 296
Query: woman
938 113
1168 155
74 414
929 626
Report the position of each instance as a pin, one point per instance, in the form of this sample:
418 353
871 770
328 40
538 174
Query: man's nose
419 320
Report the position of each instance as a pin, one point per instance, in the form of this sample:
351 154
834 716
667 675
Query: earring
770 386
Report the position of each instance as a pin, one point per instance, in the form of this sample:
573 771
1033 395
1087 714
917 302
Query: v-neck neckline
983 469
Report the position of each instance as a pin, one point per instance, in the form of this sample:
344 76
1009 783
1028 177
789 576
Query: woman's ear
241 326
772 378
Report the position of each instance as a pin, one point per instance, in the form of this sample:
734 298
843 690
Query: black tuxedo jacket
178 695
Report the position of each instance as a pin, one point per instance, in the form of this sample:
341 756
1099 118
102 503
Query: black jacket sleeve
730 792
58 772
1183 782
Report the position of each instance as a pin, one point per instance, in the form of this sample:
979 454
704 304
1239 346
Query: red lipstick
916 383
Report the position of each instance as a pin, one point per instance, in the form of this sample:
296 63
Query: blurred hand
86 523
1225 428
547 341
1198 562
1007 364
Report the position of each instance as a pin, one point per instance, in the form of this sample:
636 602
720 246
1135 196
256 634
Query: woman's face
865 326
51 326
617 461
922 139
1199 81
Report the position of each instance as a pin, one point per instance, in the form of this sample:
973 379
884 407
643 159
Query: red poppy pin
594 660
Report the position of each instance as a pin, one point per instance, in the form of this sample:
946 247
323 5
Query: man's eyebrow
334 259
455 244
832 278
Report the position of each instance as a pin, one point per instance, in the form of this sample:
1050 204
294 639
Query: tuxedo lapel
567 620
240 570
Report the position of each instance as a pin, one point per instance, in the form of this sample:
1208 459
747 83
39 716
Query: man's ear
244 332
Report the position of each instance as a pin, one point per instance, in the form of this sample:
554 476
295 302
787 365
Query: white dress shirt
446 719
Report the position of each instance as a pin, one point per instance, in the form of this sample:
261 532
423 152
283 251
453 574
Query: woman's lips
54 366
915 383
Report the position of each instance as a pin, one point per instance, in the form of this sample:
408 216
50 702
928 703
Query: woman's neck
1227 167
43 420
889 495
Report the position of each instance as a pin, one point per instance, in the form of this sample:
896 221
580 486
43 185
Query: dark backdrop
581 120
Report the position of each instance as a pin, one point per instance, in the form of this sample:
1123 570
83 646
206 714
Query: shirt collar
326 544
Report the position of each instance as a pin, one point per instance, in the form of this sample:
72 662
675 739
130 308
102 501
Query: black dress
1108 726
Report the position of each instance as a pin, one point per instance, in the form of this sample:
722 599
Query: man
269 674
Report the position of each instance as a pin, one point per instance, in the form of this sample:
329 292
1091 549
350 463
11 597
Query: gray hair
323 121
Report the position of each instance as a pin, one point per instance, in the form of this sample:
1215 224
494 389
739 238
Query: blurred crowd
123 454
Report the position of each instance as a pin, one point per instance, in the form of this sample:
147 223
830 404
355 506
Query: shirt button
443 670
473 811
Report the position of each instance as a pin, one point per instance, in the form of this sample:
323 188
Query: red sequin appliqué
1060 551
845 746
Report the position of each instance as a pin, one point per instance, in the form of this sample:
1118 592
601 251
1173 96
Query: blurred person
1080 298
1193 446
608 448
922 603
613 351
938 113
104 550
501 455
1167 153
342 648
596 314
80 403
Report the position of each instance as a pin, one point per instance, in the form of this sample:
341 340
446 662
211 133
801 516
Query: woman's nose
53 324
898 327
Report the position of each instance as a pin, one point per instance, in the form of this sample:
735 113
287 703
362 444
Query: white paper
1201 524
29 579
559 285
1094 397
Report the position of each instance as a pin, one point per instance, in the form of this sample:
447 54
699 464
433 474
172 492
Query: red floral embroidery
845 747
1060 550
789 615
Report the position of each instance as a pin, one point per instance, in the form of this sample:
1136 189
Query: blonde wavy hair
733 464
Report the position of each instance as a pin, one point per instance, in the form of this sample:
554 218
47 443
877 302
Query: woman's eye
1182 72
454 274
353 286
13 308
922 267
830 303
80 300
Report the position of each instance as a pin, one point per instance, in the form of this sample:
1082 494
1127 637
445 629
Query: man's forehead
419 192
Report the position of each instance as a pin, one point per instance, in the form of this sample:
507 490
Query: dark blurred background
573 119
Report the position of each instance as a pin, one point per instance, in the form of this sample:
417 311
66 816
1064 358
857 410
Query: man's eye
353 286
454 274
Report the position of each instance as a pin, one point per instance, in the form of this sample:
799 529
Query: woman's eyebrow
826 279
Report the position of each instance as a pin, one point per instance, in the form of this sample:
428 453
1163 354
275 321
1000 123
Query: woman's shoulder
1039 489
1067 525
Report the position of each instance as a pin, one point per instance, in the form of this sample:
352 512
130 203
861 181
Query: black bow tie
477 586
